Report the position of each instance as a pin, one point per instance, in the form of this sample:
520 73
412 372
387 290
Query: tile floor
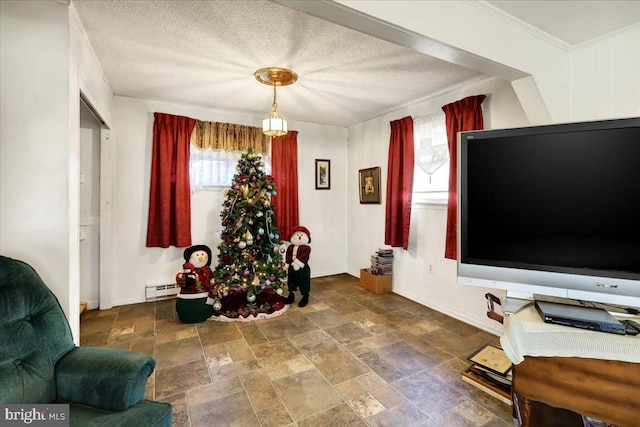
350 358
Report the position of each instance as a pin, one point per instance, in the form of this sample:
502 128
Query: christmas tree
249 276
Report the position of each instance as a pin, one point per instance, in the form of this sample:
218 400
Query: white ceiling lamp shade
274 123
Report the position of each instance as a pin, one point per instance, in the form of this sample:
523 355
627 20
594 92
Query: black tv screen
560 199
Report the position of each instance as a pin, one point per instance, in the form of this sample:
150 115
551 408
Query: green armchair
39 362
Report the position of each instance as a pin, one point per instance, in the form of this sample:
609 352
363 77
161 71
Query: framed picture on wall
369 180
323 174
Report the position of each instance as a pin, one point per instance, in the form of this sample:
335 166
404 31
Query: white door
90 135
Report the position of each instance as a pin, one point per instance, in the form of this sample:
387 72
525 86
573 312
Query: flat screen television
552 210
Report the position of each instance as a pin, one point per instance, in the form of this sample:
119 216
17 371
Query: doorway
89 234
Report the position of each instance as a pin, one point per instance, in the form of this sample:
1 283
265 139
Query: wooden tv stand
606 390
602 388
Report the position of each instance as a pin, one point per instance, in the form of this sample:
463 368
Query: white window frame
211 170
430 130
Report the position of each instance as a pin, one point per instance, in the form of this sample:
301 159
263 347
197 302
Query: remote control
631 327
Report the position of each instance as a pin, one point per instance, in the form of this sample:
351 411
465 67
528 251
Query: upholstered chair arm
104 378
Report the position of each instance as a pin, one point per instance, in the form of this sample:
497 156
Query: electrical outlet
431 268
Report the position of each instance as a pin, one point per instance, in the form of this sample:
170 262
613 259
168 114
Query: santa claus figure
193 280
297 263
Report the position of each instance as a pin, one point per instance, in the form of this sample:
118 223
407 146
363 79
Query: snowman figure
297 264
194 283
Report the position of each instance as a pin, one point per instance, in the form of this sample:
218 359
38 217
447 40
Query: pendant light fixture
274 123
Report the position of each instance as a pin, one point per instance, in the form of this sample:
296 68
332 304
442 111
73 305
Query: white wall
606 77
480 29
135 265
39 151
595 80
368 146
35 140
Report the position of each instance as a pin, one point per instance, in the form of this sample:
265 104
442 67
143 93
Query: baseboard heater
160 292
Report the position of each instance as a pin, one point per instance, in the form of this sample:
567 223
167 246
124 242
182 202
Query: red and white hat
300 228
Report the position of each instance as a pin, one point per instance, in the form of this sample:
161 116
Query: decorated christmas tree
249 276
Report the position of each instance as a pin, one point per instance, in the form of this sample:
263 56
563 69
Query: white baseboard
93 305
489 326
356 274
326 273
127 301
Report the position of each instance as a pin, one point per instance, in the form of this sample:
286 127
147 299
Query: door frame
106 219
106 211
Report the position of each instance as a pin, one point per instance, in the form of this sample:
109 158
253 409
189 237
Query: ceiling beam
350 18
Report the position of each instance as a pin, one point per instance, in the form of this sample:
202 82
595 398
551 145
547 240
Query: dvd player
593 319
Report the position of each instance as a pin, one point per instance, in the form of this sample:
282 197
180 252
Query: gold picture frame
323 174
369 182
491 358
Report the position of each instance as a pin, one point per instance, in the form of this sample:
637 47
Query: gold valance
229 137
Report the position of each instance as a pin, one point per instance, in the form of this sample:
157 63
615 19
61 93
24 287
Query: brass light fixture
274 124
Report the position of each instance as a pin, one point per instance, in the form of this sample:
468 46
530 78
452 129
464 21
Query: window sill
429 199
211 188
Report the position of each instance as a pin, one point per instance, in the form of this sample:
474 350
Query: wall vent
160 292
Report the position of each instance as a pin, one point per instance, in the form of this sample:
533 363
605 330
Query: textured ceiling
204 53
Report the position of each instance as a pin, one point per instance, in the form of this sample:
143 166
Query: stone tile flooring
350 358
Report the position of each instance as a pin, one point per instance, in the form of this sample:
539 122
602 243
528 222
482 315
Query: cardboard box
378 284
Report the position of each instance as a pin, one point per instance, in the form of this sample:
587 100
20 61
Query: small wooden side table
606 390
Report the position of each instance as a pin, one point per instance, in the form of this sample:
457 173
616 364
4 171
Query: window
431 172
209 169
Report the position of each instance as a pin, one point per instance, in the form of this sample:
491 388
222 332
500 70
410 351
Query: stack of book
490 371
382 261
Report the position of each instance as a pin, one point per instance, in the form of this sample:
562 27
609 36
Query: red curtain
462 115
169 196
284 168
399 184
